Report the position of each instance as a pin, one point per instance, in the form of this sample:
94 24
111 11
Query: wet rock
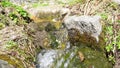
86 25
48 13
5 64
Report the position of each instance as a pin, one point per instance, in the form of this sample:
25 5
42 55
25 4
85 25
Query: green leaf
112 58
6 4
118 44
104 16
2 25
109 48
10 44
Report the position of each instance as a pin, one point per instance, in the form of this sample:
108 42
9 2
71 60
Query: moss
94 58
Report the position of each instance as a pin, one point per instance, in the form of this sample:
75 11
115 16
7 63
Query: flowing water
58 50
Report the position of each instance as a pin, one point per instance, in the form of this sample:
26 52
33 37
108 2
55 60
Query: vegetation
17 51
2 25
16 13
112 36
11 44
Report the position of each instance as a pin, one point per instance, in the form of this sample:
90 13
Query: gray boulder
85 24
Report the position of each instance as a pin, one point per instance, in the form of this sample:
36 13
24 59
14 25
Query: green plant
111 58
118 41
109 47
13 17
21 11
104 16
18 14
109 30
2 25
6 3
112 40
10 44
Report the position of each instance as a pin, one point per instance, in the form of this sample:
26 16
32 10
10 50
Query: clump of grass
18 15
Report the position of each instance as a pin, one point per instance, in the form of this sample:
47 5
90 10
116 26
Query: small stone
81 56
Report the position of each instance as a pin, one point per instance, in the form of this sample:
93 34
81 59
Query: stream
55 40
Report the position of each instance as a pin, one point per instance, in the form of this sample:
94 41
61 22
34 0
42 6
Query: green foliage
104 16
118 41
21 11
118 45
113 42
18 14
10 44
2 25
111 58
13 17
109 48
6 3
109 30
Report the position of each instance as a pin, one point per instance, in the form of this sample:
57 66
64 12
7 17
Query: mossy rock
75 37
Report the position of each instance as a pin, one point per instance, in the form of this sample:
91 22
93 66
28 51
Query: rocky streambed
50 40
